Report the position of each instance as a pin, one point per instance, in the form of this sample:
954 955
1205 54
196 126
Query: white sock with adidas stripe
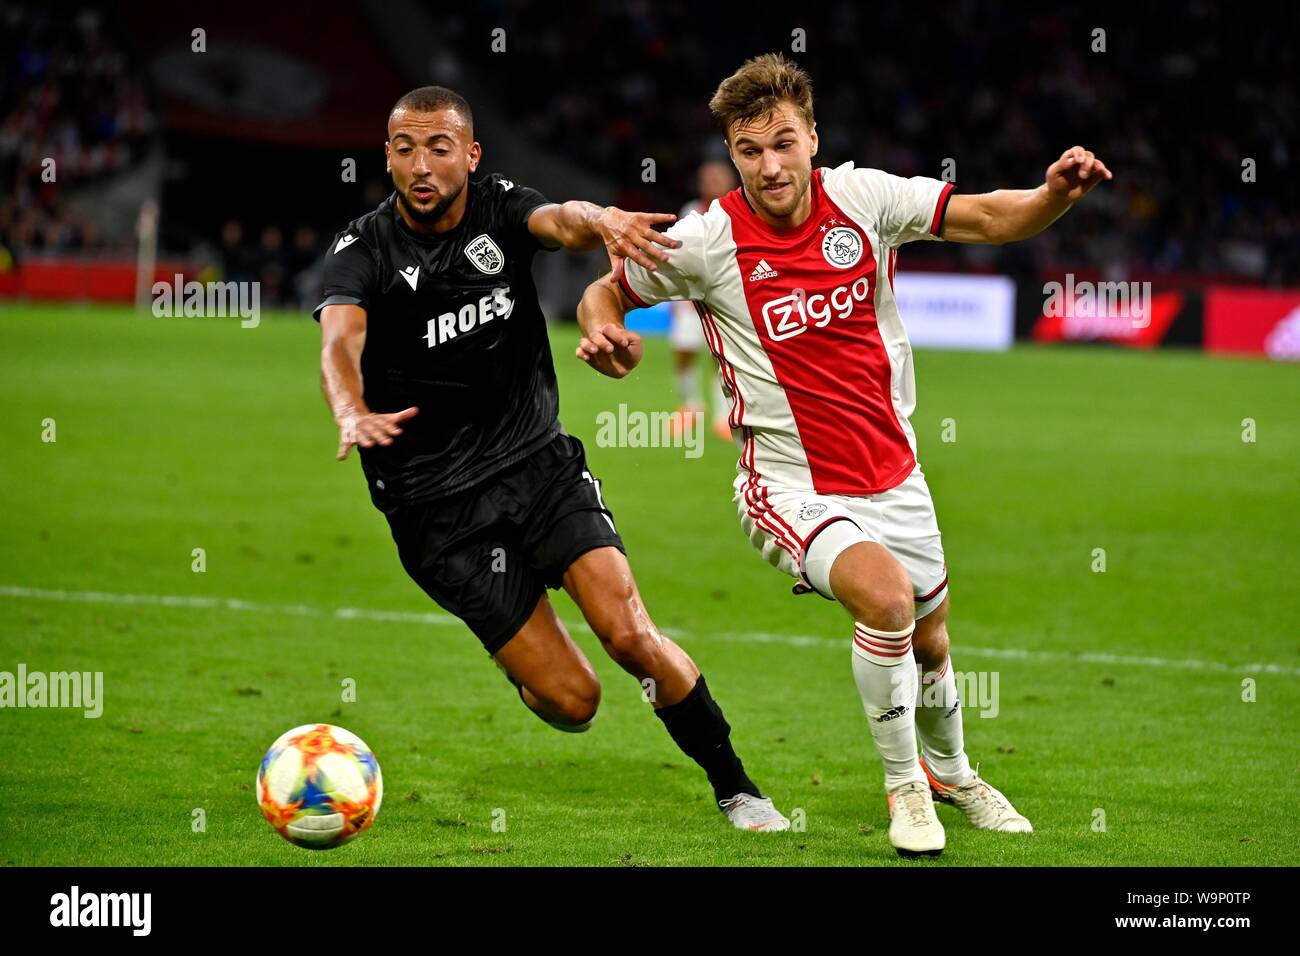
938 718
885 671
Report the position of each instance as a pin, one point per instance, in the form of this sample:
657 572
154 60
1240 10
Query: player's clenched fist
1075 174
611 349
373 428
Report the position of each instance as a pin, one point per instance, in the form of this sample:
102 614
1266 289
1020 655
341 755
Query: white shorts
785 525
685 333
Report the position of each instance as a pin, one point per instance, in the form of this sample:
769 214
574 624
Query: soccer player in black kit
436 363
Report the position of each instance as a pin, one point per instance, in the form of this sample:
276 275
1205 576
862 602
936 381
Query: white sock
688 387
938 719
885 672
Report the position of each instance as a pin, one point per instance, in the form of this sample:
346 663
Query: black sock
697 726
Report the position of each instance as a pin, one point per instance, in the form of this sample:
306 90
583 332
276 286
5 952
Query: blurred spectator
306 268
237 261
272 265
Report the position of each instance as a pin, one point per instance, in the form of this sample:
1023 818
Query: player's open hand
373 428
632 235
1075 174
611 349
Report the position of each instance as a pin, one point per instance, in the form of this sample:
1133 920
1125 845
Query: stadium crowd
69 93
1170 103
1201 139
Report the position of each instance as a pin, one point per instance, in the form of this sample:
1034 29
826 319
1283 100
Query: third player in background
714 179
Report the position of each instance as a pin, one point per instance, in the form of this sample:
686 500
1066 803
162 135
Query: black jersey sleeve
514 204
349 273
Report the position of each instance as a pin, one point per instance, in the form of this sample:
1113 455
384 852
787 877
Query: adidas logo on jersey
762 271
344 242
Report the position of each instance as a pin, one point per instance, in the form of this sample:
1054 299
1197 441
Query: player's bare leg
938 709
939 722
554 677
601 584
877 593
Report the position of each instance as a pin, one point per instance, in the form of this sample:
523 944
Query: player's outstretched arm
607 345
582 225
1009 215
343 336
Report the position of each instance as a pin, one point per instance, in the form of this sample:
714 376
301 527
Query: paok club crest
485 255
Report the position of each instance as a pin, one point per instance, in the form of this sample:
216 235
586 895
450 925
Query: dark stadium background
242 146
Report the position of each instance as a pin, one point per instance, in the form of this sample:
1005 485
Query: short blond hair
758 88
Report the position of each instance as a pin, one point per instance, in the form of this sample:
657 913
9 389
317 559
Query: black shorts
488 553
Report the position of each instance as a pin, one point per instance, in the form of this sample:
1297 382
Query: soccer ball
319 786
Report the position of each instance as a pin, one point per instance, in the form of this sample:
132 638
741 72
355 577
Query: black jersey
454 328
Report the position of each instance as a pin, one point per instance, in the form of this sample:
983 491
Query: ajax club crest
485 255
842 247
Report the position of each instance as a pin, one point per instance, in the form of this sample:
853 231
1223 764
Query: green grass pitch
1120 693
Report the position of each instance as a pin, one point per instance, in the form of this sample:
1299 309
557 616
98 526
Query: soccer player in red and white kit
793 276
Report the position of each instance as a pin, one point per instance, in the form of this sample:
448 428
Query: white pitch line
226 604
1015 653
753 637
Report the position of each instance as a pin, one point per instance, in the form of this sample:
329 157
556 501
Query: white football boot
984 805
914 827
747 812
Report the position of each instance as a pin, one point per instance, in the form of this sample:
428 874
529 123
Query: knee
577 701
930 644
629 641
873 587
884 608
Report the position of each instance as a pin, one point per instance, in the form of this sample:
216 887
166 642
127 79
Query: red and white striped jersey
805 328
